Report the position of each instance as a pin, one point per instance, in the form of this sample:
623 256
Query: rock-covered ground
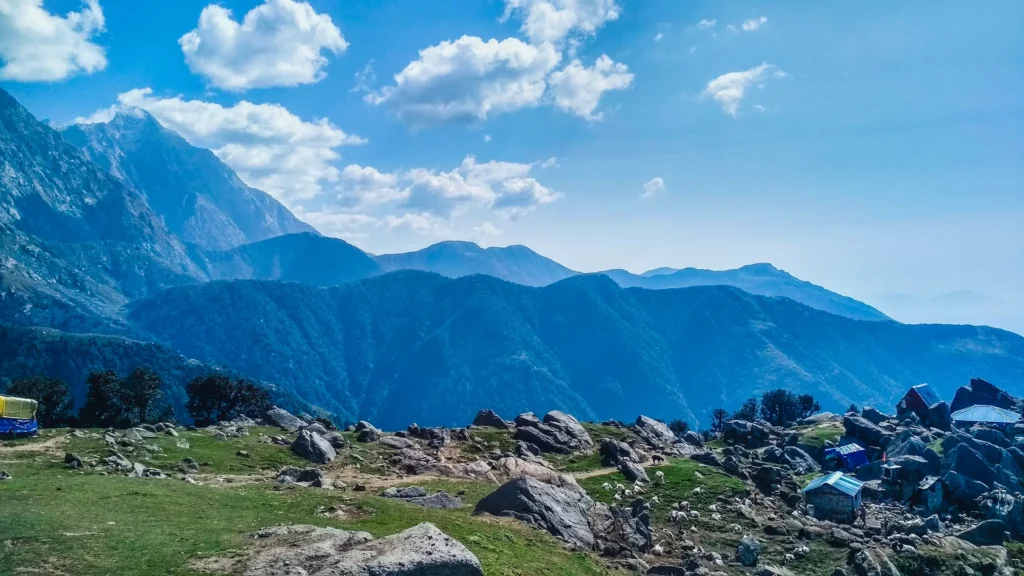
534 495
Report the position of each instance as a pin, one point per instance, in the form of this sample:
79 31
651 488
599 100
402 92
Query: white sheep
697 474
659 477
628 493
736 528
695 515
658 550
655 500
788 559
716 517
684 505
619 487
676 516
606 486
638 489
617 496
713 508
698 490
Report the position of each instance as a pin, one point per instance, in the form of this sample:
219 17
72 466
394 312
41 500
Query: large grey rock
418 495
318 428
291 475
748 551
938 416
517 467
633 472
313 447
491 419
654 433
422 550
865 431
799 461
1007 508
987 533
565 510
397 443
614 452
990 435
874 416
283 419
907 444
963 490
559 433
570 426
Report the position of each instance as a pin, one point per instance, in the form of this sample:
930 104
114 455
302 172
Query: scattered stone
242 454
614 453
283 419
633 472
748 551
300 475
490 419
987 533
397 443
72 460
4 475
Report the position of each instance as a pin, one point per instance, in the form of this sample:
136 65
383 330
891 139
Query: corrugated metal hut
930 494
846 457
981 414
918 400
835 497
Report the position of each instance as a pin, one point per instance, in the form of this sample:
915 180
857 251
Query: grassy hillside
411 346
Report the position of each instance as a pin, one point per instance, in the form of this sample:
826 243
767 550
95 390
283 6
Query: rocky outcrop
1005 507
313 447
422 550
283 419
981 392
490 418
565 510
987 533
874 416
866 432
517 468
748 551
633 472
655 434
418 496
614 453
558 433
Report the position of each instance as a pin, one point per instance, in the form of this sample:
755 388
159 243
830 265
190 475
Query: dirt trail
44 446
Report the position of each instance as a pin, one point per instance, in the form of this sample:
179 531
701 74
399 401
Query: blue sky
873 147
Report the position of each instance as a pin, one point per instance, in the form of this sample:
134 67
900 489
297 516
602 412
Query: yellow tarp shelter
17 408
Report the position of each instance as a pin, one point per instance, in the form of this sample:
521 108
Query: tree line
115 400
778 407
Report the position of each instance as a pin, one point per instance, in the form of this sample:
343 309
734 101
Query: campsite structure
835 497
18 416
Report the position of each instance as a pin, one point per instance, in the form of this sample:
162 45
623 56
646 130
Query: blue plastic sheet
18 427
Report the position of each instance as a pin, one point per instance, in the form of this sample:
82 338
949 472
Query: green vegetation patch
575 462
818 435
680 481
494 438
91 525
599 431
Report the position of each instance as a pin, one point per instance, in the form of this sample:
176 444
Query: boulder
633 472
490 419
692 438
367 435
422 550
405 493
799 461
313 447
435 437
938 416
318 428
418 496
748 551
614 453
654 433
336 439
569 426
963 490
981 392
397 443
517 468
865 431
72 460
556 435
283 419
987 533
527 419
874 416
820 418
990 435
1007 508
292 475
561 508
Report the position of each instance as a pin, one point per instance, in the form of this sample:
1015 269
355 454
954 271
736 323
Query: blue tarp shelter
18 416
848 456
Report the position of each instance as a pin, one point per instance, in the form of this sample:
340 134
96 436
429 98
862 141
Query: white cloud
732 29
728 89
421 223
487 137
658 37
485 230
365 79
332 222
36 46
270 148
550 162
469 79
366 186
754 23
760 108
705 24
278 43
554 20
578 89
654 187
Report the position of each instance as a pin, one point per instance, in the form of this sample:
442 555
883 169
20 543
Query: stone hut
835 497
931 494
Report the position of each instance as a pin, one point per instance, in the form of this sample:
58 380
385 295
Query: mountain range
415 346
120 243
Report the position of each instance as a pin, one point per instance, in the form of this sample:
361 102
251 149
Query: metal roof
837 480
927 394
983 413
928 482
846 449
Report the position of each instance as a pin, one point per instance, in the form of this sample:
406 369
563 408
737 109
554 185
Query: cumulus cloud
578 89
754 23
729 89
420 223
270 148
37 46
554 20
654 187
705 24
278 43
659 37
469 79
364 79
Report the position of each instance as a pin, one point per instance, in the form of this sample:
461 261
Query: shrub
52 395
781 407
217 398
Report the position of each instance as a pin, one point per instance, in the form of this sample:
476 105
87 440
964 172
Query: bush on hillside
52 395
781 407
215 398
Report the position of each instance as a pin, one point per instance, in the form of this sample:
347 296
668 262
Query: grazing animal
789 558
659 477
676 515
657 459
695 515
606 486
736 528
713 508
698 490
620 487
638 489
628 493
716 517
697 475
658 550
684 505
617 496
655 500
